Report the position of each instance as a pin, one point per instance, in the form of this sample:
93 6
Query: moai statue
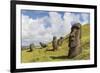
54 43
43 45
60 41
75 41
31 47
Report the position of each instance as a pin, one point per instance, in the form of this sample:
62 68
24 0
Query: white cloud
34 30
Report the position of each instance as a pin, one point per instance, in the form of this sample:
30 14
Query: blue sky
41 26
34 14
37 14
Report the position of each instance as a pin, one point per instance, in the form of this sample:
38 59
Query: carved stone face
74 37
74 41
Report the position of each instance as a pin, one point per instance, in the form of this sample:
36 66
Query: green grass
41 55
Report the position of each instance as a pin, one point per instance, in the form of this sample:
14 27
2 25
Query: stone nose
72 35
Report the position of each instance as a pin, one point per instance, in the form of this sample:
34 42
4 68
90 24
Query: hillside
41 55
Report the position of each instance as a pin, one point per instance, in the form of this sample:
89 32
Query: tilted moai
60 41
54 43
43 45
75 41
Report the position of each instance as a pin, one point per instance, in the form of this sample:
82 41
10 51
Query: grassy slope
41 55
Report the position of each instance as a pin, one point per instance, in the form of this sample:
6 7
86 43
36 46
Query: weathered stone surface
75 41
54 43
31 46
43 45
60 41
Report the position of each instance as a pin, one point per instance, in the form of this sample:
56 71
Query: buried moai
54 43
75 41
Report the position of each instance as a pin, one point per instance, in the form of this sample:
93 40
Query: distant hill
41 55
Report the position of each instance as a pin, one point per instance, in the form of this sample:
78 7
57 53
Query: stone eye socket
76 27
72 35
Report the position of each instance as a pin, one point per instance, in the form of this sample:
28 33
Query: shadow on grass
59 57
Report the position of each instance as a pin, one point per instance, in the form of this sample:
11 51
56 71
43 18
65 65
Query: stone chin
73 45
